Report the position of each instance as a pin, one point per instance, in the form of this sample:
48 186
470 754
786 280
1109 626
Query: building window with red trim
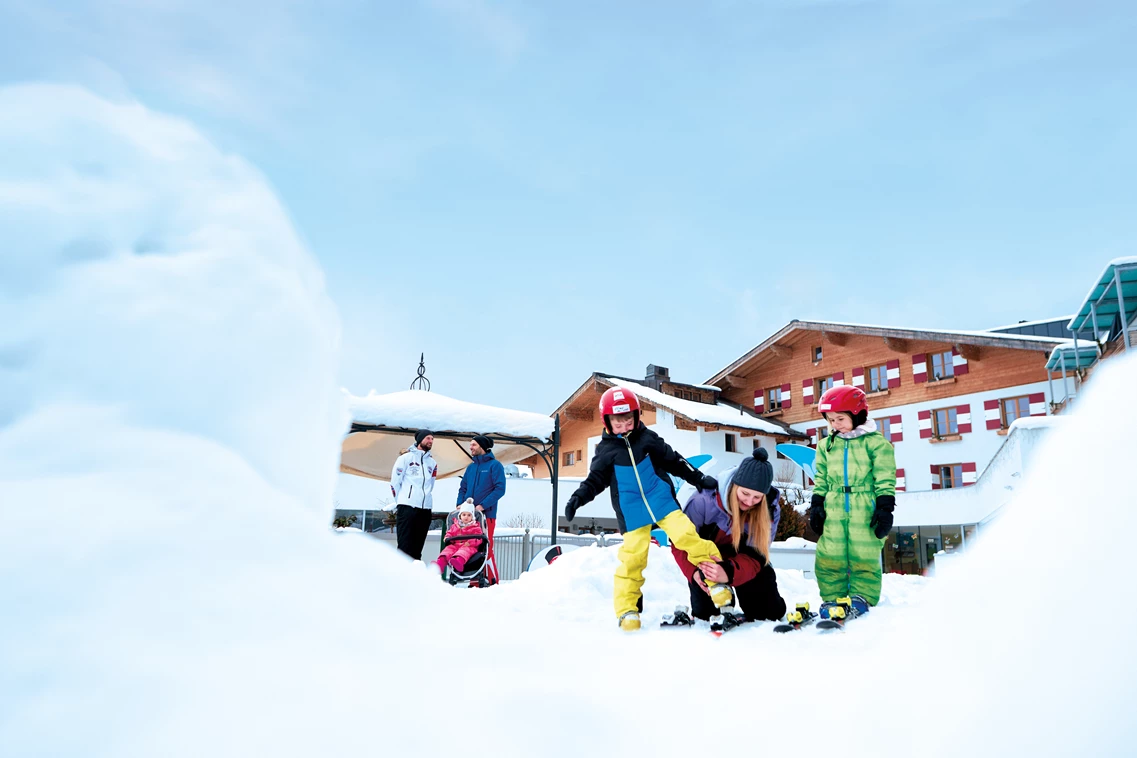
951 476
884 426
940 366
774 399
878 378
944 422
819 387
1013 408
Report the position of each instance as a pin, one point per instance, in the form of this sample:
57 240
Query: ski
836 614
796 619
724 622
681 617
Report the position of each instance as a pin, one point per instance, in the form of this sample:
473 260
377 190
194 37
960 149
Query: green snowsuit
850 474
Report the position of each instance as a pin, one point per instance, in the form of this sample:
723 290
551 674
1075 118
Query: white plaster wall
916 455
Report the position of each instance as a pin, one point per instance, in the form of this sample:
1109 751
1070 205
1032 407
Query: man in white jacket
412 481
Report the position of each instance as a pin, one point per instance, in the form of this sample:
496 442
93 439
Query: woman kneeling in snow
743 528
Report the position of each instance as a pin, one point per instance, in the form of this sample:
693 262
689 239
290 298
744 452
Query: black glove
571 508
817 514
708 483
881 520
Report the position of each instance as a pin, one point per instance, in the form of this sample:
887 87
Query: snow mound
418 409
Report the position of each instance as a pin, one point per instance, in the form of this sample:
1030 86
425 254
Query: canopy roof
1103 299
1064 356
384 425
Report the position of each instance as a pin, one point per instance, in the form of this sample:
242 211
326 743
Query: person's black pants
758 599
411 526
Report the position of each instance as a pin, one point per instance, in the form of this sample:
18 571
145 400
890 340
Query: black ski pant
758 599
411 526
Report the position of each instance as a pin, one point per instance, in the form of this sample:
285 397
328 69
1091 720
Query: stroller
474 572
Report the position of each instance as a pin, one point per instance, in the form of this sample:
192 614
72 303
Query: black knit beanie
421 435
755 473
484 442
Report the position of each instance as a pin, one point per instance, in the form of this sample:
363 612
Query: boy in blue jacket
636 463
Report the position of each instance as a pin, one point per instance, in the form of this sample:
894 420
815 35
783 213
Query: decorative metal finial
421 382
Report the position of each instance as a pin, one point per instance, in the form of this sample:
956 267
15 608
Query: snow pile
418 409
167 592
700 412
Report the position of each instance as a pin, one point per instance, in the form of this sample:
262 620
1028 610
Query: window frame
569 458
953 468
1003 409
769 398
882 378
819 389
953 419
817 353
949 365
883 423
731 442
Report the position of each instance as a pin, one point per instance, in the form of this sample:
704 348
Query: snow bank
702 412
167 592
418 409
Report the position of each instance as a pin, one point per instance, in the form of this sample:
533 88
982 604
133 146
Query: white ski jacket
412 479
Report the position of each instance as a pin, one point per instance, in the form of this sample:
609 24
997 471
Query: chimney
656 376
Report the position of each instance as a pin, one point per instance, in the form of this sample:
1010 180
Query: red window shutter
920 368
963 418
897 425
786 404
969 474
935 477
1037 404
991 414
925 424
893 367
959 363
901 482
807 392
859 378
838 378
759 400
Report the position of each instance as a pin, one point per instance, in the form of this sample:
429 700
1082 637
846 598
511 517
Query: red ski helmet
844 399
618 400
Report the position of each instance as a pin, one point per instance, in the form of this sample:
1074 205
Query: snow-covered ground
169 426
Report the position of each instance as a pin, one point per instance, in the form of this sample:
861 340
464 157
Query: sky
528 192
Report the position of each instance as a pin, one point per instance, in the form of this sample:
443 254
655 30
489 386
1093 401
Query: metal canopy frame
1110 302
547 450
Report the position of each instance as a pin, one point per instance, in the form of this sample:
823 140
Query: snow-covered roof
705 413
710 387
382 423
1036 322
1123 269
419 409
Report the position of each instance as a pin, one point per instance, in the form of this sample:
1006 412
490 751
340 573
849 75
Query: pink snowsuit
457 553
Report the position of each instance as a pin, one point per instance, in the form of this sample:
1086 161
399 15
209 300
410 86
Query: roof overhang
978 338
1102 303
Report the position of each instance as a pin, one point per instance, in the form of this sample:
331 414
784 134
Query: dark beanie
421 435
755 473
484 442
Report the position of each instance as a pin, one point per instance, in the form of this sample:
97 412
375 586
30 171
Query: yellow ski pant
633 557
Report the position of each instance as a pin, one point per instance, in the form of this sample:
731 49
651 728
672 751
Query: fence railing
515 552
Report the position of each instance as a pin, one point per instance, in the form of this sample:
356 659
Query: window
774 399
940 366
571 457
731 443
944 422
817 354
757 443
878 378
884 425
1014 408
819 387
951 476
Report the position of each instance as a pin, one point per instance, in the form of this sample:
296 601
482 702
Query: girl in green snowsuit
854 494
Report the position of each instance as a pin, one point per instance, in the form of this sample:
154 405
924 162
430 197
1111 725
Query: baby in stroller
465 538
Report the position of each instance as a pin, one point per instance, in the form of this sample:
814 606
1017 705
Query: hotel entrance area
913 550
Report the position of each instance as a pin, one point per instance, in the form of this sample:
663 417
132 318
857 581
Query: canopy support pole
555 469
1121 304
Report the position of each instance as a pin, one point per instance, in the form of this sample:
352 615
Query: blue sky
529 192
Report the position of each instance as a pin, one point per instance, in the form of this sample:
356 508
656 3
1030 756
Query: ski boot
797 618
835 614
630 621
681 617
724 622
722 595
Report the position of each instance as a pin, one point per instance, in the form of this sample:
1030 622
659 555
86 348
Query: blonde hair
756 522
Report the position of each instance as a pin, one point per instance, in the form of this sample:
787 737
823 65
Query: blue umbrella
801 455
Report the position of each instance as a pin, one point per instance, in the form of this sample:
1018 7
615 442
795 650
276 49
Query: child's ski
681 617
834 615
796 619
729 619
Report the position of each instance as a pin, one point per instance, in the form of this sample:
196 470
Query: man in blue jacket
484 481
